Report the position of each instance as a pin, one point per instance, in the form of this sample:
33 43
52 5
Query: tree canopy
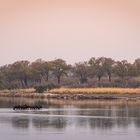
23 74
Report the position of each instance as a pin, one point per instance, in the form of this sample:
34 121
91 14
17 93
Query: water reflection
103 115
60 123
49 122
20 122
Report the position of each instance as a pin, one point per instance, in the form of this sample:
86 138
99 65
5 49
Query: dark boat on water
26 107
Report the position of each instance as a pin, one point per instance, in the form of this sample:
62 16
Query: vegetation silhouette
96 72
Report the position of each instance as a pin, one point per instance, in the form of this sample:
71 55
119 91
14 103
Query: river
70 120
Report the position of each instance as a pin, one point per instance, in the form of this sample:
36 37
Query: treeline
103 72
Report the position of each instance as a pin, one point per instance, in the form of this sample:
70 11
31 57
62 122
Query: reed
96 90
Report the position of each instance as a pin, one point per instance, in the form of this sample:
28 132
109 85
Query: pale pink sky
74 30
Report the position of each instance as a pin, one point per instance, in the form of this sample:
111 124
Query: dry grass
96 90
109 92
28 90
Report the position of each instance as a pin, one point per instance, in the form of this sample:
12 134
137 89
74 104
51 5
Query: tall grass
96 90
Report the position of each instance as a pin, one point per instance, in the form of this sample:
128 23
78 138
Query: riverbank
77 93
96 93
29 93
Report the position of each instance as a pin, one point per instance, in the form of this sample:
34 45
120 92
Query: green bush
42 88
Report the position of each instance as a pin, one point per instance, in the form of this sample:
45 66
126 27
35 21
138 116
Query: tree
97 67
37 70
47 67
137 65
1 79
92 67
121 68
108 64
81 71
20 71
132 70
6 76
59 68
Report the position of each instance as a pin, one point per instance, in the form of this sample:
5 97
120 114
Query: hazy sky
74 30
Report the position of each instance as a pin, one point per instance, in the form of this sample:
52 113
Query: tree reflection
101 123
20 122
50 122
81 114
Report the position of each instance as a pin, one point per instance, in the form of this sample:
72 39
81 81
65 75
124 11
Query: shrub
42 88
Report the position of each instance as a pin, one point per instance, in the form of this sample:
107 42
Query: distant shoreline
77 93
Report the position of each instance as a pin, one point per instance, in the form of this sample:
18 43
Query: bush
42 88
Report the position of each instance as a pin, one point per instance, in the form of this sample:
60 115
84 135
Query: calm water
71 120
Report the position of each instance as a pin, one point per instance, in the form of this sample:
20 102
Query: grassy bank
96 93
30 92
76 93
96 90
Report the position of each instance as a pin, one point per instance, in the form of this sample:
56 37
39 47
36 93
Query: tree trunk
22 83
58 79
25 82
47 77
99 78
109 77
